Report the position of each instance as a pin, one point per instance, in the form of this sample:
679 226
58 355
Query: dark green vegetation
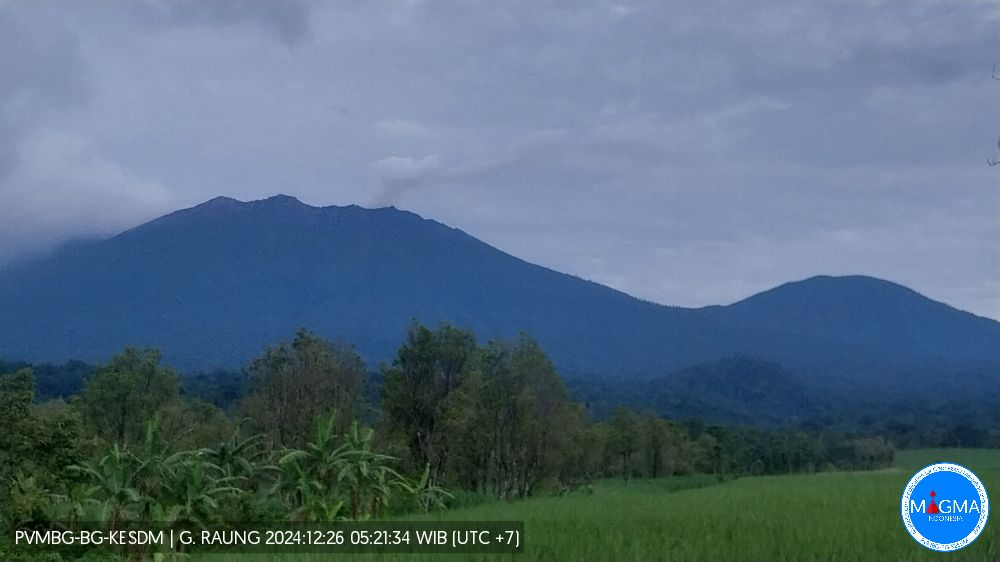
746 391
212 285
457 423
735 391
53 381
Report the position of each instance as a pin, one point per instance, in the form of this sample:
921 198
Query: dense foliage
454 420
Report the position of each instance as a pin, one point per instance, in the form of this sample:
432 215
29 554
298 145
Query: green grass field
828 516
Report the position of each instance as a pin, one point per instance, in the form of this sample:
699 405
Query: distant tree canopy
17 390
37 440
295 382
53 380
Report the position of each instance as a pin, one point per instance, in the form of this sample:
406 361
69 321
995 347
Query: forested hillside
213 285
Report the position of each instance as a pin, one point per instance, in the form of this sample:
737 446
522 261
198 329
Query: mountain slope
213 284
738 390
858 309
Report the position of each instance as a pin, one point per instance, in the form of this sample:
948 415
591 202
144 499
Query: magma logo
945 507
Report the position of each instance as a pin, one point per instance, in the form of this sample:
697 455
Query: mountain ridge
213 284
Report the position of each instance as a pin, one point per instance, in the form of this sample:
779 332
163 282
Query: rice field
827 516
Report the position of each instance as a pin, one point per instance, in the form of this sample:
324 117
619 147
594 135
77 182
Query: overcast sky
687 153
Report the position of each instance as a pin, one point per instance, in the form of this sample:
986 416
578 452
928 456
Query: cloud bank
687 154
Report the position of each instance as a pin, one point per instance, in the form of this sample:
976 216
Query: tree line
453 419
906 423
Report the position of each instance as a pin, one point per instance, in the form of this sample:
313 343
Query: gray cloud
54 185
686 153
41 75
288 20
59 168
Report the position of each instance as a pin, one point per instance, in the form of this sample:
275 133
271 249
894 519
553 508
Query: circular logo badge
945 507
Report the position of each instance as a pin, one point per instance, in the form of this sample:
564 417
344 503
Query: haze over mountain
213 284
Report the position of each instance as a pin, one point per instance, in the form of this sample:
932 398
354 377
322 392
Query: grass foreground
825 516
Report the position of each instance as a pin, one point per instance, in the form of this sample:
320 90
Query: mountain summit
213 284
860 309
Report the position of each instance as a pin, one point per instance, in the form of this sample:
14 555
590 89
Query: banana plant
241 457
333 470
319 457
77 503
195 492
367 475
28 501
424 493
309 499
155 467
113 476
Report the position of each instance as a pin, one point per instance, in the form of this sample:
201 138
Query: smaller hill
739 389
870 312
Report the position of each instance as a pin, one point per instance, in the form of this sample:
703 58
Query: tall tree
124 394
626 440
296 382
416 403
17 390
523 427
655 438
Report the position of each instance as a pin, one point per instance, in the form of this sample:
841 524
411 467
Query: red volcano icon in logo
932 508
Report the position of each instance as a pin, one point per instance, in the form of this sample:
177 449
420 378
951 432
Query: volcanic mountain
213 284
